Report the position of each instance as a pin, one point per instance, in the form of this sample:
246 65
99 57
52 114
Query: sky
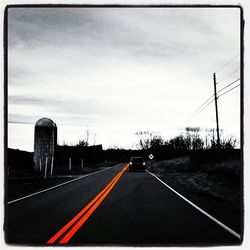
116 71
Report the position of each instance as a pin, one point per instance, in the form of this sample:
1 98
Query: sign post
151 157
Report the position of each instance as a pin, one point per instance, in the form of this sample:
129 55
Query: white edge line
198 208
64 183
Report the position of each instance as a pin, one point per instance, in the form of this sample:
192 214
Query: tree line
190 139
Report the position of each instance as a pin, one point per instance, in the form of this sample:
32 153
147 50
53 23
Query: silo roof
45 122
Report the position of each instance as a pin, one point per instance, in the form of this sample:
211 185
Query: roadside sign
151 157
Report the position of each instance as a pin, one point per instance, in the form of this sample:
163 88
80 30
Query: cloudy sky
114 71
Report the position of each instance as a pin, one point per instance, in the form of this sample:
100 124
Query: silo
45 141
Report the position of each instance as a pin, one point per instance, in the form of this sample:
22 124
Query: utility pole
216 111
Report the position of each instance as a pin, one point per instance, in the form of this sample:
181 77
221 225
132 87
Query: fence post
52 165
40 164
81 163
46 165
69 164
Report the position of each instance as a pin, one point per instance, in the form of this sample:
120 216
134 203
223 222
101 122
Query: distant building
45 141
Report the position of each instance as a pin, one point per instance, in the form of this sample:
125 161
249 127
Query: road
136 209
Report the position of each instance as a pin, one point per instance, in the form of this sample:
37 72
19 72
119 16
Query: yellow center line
85 213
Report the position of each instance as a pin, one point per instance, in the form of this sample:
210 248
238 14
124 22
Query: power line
203 108
228 62
229 85
209 101
228 75
202 105
229 90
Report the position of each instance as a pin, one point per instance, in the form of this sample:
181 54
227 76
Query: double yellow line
68 231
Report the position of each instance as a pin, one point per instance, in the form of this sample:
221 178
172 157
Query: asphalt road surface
112 207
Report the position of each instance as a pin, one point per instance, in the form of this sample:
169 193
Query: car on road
137 163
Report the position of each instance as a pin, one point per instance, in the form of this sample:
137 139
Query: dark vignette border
5 42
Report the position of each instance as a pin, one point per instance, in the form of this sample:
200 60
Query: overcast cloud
119 70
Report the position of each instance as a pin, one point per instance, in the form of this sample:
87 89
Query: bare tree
193 139
82 143
156 142
177 143
94 138
227 142
113 147
145 138
188 138
212 138
148 139
87 136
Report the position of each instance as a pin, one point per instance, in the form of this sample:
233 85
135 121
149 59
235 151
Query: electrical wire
201 105
229 90
209 101
228 75
227 63
203 108
228 85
